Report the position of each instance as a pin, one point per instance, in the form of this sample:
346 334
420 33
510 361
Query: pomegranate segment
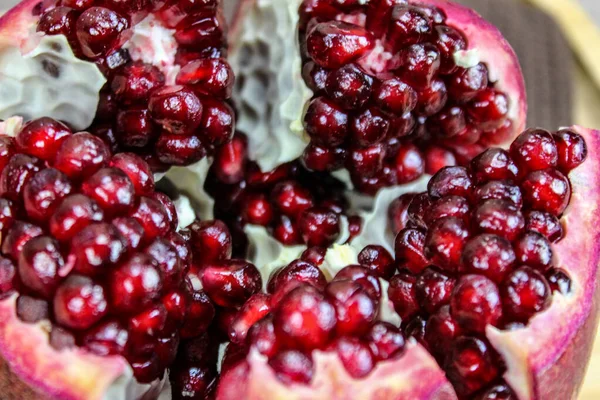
95 256
165 79
395 88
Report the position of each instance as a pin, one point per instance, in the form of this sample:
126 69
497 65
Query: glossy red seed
571 148
291 198
8 273
489 255
433 289
44 192
208 76
494 164
81 155
448 41
545 223
534 250
499 217
355 309
419 63
559 281
218 122
96 247
403 294
395 96
471 365
334 44
449 206
210 241
450 181
499 190
42 137
200 313
440 332
398 212
108 338
385 341
409 249
319 226
262 337
325 122
40 264
369 127
152 216
19 234
59 21
445 242
355 355
292 366
465 84
135 284
137 170
98 30
230 283
257 307
475 303
534 150
409 25
378 260
15 175
524 294
176 108
134 82
432 99
79 303
547 190
299 272
408 163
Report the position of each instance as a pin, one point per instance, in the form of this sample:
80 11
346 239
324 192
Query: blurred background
558 44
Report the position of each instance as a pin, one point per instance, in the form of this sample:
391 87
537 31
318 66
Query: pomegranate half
387 89
147 76
509 311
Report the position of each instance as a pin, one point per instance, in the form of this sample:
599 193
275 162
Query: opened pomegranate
297 206
393 89
149 77
492 280
96 284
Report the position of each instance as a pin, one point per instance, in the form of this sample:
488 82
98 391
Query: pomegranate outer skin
32 368
548 359
15 26
399 379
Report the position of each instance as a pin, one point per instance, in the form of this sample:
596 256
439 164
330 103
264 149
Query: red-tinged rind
67 375
493 50
548 360
415 375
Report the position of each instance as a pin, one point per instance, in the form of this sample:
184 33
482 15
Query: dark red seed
112 189
547 190
257 307
534 150
17 237
500 391
291 198
449 206
524 294
334 44
571 148
262 337
489 255
448 41
210 241
135 284
79 303
169 264
534 250
349 86
297 271
362 276
545 223
15 175
208 76
182 150
97 247
292 366
42 137
369 127
409 249
450 181
355 309
81 155
319 226
230 283
131 231
476 303
176 108
355 355
445 241
108 338
432 99
8 273
493 164
59 21
137 170
403 294
378 260
40 264
499 190
230 160
408 163
433 289
398 212
134 82
409 25
200 313
385 341
218 122
152 216
415 329
44 192
499 217
98 30
440 332
395 96
465 84
193 381
559 281
419 63
135 128
74 213
325 122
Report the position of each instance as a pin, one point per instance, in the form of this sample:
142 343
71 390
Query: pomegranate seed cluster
297 206
169 114
386 87
476 250
90 245
302 312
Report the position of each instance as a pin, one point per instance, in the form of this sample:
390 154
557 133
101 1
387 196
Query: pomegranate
97 286
148 77
467 301
391 90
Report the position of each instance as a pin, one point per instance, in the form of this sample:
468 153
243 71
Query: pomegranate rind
400 379
548 359
491 48
68 374
17 24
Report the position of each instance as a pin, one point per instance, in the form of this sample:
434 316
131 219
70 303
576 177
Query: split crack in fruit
476 278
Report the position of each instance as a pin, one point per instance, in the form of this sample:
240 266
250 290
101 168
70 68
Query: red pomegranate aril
525 293
319 226
355 355
451 181
291 198
146 368
181 150
8 273
137 170
42 137
433 289
32 310
98 30
145 327
257 307
378 260
544 223
74 213
166 350
500 391
8 213
167 259
135 284
499 217
547 190
43 193
152 216
471 365
297 271
448 41
112 189
409 249
286 232
499 190
571 148
385 341
334 44
169 208
193 382
79 303
494 164
230 283
476 303
200 313
349 87
403 294
59 21
134 82
210 241
363 276
208 76
131 231
395 96
440 332
465 84
409 164
445 241
292 366
415 328
419 63
17 237
326 123
304 319
368 161
355 309
230 160
449 206
489 255
257 210
135 128
200 31
108 338
432 99
262 337
40 264
81 155
7 150
368 127
218 122
315 77
15 175
559 281
449 123
409 25
176 108
534 250
534 150
314 256
398 212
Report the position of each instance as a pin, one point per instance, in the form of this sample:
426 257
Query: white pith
28 90
190 182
